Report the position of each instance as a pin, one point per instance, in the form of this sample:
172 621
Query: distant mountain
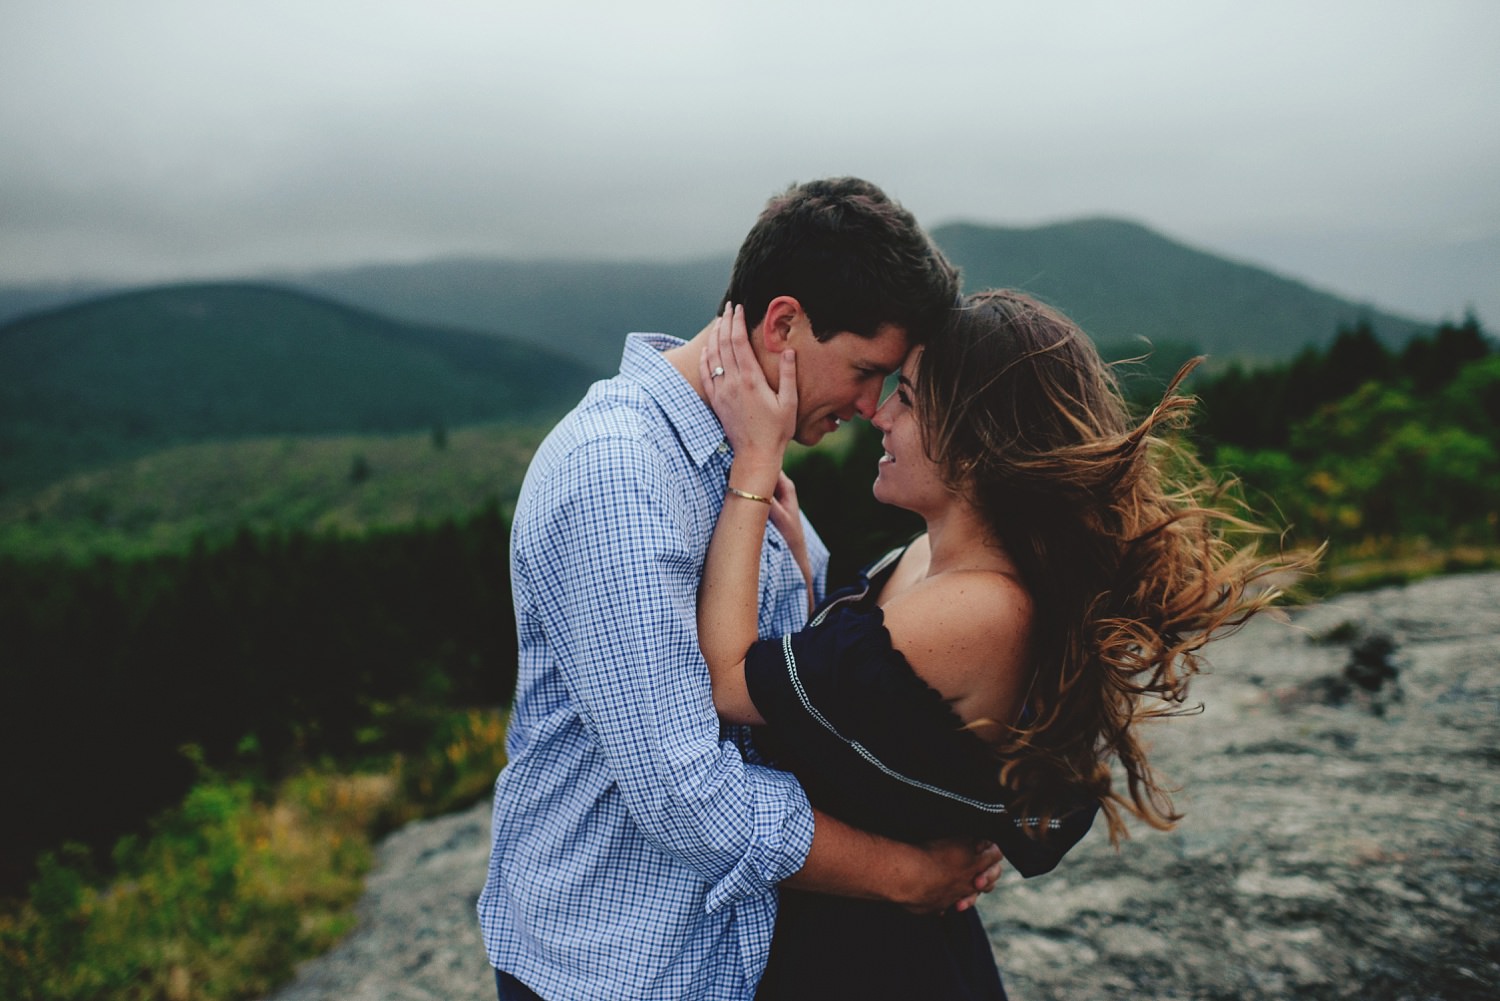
17 301
582 309
1120 281
127 374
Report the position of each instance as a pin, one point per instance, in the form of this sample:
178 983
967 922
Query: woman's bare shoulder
960 605
964 632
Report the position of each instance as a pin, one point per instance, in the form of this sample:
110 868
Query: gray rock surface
1341 838
1338 842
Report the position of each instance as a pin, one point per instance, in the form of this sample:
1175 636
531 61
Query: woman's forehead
909 367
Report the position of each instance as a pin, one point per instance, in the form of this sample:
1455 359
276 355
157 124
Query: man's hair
852 257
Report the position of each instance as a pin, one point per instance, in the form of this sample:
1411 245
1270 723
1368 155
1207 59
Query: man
635 850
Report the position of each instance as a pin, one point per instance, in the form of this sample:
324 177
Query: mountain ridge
1121 280
1094 269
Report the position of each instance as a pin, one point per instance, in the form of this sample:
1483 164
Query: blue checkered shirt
635 853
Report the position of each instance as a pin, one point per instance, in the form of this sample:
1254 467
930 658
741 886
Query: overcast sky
1350 143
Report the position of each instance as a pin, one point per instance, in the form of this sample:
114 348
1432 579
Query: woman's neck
960 540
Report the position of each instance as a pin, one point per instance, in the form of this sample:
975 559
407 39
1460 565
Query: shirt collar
692 419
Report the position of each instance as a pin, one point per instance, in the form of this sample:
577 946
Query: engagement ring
718 371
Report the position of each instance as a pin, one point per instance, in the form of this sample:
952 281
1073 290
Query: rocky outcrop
1341 837
1342 828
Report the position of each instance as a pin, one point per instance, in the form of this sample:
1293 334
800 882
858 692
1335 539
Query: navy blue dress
877 747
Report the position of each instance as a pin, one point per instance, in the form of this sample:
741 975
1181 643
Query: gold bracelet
747 495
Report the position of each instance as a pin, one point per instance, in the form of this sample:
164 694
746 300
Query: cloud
161 137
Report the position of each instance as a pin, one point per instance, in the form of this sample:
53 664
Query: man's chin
812 435
815 431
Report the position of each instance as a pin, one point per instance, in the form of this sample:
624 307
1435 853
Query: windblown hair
853 258
1121 538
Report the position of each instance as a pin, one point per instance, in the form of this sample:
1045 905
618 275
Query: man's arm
847 862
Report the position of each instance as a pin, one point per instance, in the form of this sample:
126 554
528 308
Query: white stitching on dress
870 575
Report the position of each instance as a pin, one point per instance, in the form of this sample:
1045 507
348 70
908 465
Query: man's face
841 377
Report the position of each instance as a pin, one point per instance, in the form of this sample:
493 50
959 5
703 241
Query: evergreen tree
1432 362
1356 357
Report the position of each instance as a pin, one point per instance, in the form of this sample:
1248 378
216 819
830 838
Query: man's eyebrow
881 364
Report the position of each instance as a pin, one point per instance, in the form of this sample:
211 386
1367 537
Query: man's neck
684 358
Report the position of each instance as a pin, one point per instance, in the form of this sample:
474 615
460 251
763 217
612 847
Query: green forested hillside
135 372
264 654
1392 457
170 500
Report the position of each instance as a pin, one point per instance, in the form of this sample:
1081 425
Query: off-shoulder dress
876 746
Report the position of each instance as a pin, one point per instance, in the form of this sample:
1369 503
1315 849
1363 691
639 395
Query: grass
1386 562
236 885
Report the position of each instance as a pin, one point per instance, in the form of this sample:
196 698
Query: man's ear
784 317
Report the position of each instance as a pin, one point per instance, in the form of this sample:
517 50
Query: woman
982 679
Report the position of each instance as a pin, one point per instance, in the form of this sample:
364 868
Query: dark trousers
512 989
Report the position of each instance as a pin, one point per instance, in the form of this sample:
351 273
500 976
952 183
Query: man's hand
925 879
952 874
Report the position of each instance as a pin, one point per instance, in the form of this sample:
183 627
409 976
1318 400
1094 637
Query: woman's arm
758 421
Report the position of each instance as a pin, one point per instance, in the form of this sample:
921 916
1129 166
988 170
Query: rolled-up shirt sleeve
623 632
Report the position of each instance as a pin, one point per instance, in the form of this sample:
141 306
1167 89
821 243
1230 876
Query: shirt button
723 447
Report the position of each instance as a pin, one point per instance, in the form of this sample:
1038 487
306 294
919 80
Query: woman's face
907 478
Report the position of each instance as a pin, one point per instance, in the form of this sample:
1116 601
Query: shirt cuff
779 843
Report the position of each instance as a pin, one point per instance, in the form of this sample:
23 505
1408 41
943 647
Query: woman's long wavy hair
1123 541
